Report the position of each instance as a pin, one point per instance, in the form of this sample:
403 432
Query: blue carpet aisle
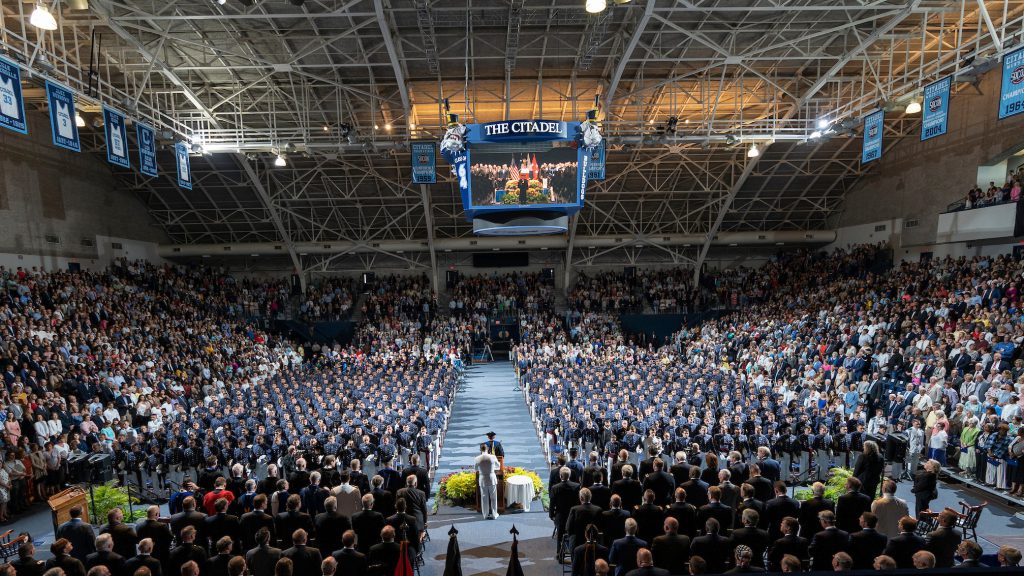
488 403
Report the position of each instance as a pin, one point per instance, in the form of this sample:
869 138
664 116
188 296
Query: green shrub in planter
834 487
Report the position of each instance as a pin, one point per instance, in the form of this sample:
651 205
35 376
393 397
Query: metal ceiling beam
102 8
613 84
396 62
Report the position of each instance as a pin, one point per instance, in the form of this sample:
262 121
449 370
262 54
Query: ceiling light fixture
280 162
42 19
822 123
387 127
79 121
753 152
914 106
816 134
596 6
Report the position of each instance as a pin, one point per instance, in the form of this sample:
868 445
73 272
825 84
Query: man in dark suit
827 542
580 517
350 561
157 531
124 535
222 524
645 565
763 489
330 525
970 551
661 482
217 565
262 559
696 489
385 553
944 540
867 543
383 501
715 509
415 505
623 551
752 537
421 474
405 526
105 556
563 497
144 559
810 523
367 525
680 470
305 559
185 552
613 521
714 548
770 467
593 472
629 489
647 464
600 493
903 546
730 492
749 502
189 517
778 508
587 552
79 533
789 544
851 505
251 522
62 558
26 564
649 518
684 513
671 550
313 496
286 523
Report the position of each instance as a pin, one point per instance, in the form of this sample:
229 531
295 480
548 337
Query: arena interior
455 287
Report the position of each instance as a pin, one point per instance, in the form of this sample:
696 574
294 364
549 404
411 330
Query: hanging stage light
753 152
280 162
914 106
79 121
42 19
596 6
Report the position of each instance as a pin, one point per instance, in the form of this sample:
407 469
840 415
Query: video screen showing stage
523 178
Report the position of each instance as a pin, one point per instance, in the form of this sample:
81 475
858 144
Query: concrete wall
48 191
917 179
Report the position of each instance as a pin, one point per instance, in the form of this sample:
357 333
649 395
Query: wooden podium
500 473
62 502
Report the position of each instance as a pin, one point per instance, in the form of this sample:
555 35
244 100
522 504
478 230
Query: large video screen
544 174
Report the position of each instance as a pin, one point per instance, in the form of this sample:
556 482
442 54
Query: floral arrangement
834 487
459 488
533 193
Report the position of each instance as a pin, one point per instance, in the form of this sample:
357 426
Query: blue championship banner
117 138
873 129
595 165
62 116
424 163
181 162
1011 96
147 149
936 109
12 104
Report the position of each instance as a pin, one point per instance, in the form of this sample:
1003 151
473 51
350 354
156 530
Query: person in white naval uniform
487 467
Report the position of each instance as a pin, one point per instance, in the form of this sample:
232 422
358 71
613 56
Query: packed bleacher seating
609 292
160 372
328 299
837 362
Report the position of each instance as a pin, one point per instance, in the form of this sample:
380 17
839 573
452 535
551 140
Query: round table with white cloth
519 490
